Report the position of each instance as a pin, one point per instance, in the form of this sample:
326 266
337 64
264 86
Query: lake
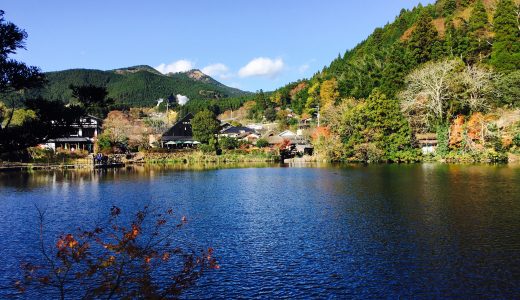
308 231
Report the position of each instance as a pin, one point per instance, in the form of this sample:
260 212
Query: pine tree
449 8
383 117
397 65
464 3
478 25
505 54
423 40
450 37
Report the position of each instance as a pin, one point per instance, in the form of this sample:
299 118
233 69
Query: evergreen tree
449 7
450 37
460 39
464 3
396 67
478 24
505 54
423 40
205 126
384 119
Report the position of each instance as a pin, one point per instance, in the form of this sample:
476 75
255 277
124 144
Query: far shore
194 158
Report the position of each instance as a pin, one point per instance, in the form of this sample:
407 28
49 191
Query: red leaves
66 242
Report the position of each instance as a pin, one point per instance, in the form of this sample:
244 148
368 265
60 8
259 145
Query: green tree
478 25
228 143
270 114
204 126
262 143
395 70
505 55
509 87
449 7
93 99
390 130
423 39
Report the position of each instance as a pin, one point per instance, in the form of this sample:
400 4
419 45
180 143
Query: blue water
384 231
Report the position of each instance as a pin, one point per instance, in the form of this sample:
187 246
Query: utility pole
318 114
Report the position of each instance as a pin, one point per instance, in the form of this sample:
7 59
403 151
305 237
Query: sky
248 44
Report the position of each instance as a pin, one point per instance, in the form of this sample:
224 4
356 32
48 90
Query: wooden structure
427 141
82 135
180 135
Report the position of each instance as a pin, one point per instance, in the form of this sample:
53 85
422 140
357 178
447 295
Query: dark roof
238 129
178 129
75 139
177 138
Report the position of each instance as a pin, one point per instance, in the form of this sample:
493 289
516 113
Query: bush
228 143
516 140
67 154
368 152
262 143
104 142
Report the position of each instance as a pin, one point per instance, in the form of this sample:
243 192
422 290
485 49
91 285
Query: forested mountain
478 31
137 86
449 70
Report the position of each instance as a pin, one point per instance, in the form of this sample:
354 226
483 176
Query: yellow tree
329 93
312 100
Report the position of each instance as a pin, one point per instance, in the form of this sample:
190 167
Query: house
298 143
427 141
224 125
303 126
180 135
252 138
287 134
82 135
236 132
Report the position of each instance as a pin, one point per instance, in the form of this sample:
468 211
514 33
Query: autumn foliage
137 260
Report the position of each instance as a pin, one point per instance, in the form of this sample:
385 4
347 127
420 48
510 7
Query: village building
238 132
82 135
298 143
427 141
180 135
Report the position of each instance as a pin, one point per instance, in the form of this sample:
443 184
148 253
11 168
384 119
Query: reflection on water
347 231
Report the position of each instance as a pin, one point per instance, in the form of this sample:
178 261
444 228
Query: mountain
138 85
448 28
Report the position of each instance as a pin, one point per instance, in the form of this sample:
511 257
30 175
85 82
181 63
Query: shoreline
193 158
27 167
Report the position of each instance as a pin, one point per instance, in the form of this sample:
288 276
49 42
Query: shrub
516 140
228 143
262 143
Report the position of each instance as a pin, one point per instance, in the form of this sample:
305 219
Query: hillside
458 29
439 78
138 85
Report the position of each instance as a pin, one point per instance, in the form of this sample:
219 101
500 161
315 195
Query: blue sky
247 44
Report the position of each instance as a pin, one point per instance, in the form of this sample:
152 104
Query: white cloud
220 70
182 99
303 68
182 65
262 66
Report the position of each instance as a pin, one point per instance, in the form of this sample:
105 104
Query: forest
138 86
451 69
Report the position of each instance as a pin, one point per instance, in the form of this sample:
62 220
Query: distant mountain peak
137 68
197 75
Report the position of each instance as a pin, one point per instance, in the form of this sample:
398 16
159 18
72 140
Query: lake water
350 231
